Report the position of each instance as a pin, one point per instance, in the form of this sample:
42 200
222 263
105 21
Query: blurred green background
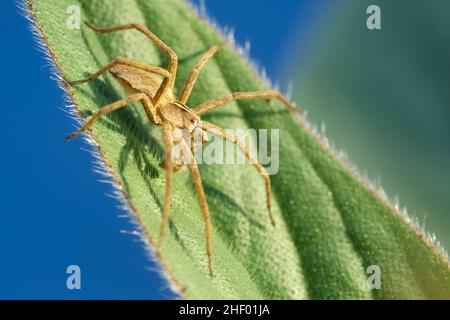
384 97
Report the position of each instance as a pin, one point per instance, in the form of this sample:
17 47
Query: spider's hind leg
261 170
203 205
168 166
170 144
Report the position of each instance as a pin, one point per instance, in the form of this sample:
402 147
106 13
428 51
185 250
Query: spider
153 87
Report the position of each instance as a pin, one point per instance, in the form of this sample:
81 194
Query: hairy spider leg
173 59
169 140
216 130
193 76
142 97
210 105
203 205
128 62
168 165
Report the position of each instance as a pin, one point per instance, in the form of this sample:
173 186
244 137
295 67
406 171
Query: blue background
54 212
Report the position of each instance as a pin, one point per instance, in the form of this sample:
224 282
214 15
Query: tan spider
163 108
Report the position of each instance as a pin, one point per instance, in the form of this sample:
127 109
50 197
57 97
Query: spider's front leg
173 59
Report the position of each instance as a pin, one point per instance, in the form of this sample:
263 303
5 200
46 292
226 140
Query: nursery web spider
163 108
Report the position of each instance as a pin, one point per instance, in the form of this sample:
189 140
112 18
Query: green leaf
331 225
391 86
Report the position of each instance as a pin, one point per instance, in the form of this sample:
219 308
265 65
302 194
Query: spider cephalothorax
182 128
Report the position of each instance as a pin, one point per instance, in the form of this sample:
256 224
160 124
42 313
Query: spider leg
168 165
190 82
173 59
128 62
203 204
208 106
112 107
262 171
